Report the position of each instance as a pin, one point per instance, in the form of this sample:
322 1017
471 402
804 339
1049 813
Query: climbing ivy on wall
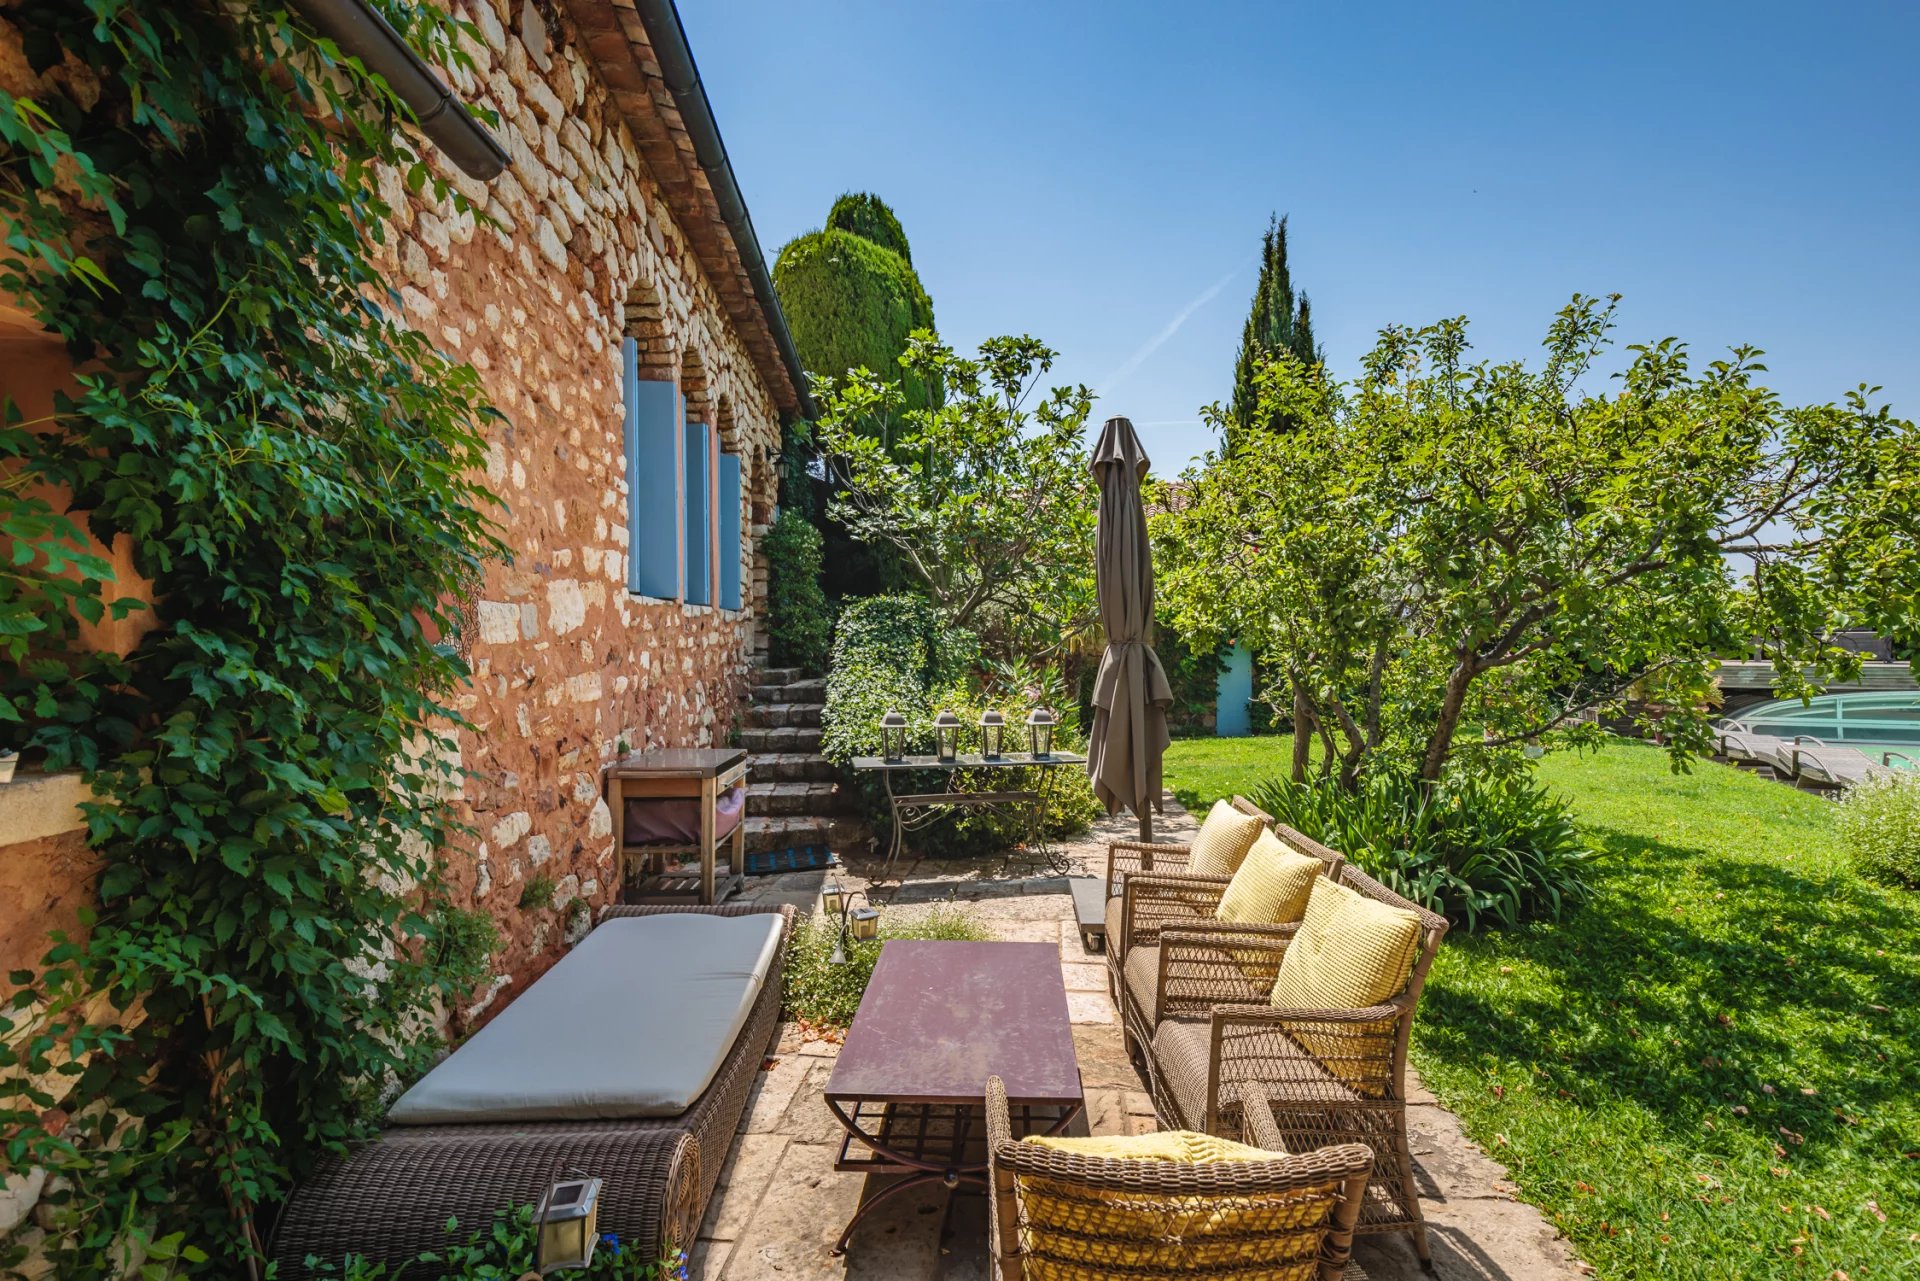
190 199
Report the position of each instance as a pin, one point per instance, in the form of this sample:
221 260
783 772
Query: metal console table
912 811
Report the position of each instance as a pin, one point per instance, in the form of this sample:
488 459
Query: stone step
791 767
775 715
772 832
791 691
816 799
785 738
777 675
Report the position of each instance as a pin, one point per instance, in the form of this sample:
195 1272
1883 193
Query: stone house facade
610 259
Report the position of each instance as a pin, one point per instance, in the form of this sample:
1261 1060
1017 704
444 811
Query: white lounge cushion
634 1021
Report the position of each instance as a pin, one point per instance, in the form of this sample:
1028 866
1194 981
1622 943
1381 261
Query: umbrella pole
1146 826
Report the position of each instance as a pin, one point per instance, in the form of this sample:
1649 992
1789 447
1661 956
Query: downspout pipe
362 33
669 39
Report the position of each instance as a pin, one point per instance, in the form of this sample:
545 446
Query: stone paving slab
781 1206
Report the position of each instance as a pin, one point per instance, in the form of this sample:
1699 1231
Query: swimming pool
1866 721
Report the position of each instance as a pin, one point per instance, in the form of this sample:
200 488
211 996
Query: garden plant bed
1711 1069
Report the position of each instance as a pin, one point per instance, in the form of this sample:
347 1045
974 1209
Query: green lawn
1711 1070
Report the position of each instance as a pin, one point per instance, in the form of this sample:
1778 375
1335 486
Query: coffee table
937 1020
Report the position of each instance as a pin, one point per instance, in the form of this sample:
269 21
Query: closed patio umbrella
1131 694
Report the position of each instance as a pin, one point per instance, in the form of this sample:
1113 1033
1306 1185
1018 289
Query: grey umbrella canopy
1131 694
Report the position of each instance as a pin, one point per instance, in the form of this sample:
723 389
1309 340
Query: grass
822 995
1713 1069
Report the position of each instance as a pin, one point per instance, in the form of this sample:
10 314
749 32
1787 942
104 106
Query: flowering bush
1880 822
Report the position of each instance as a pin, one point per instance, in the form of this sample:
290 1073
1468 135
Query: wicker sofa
391 1199
1329 1076
1150 902
1064 1214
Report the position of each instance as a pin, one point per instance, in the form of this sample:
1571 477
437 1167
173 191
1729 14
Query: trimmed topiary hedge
851 304
870 218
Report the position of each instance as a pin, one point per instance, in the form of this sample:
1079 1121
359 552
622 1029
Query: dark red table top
940 1017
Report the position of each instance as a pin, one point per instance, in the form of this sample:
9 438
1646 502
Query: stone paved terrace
780 1205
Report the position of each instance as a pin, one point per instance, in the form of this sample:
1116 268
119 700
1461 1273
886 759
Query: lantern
1040 733
833 898
893 737
566 1221
861 924
946 737
993 735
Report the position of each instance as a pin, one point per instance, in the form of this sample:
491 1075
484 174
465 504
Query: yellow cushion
1271 886
1072 1232
1351 952
1162 1145
1223 841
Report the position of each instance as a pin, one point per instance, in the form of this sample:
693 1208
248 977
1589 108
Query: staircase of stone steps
794 798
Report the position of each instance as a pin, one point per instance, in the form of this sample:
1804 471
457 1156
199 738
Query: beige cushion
1351 952
1223 841
1271 886
633 1022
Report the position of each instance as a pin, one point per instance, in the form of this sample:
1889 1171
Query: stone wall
568 665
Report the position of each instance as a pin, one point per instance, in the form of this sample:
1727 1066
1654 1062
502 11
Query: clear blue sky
1089 173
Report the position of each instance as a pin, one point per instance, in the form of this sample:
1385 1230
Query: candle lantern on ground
946 737
993 735
893 737
566 1220
1040 733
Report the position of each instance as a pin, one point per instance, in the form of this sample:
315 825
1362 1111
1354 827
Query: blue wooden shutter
729 531
699 493
654 410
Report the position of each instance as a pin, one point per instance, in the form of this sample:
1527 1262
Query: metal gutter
362 33
682 77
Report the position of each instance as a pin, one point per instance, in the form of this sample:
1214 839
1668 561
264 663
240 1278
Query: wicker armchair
1061 1216
1329 1076
1151 902
1150 856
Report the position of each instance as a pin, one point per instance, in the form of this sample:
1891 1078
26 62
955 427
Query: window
729 531
698 492
654 471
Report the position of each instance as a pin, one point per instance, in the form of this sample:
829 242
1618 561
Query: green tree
1277 321
1441 545
870 218
851 296
989 504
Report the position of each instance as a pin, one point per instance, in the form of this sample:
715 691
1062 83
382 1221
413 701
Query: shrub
890 654
506 1249
826 995
1482 845
870 218
799 620
1880 822
885 659
850 304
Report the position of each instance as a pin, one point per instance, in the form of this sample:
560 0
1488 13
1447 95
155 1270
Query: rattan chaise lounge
1329 1075
1058 1215
392 1198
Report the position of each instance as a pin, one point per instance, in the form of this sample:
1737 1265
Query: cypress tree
1277 321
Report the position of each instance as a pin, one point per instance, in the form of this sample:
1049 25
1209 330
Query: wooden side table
680 773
